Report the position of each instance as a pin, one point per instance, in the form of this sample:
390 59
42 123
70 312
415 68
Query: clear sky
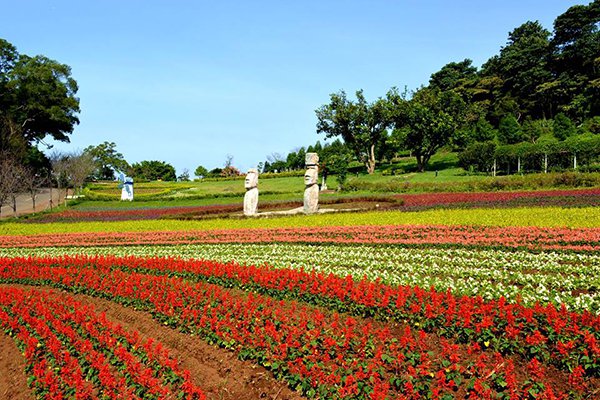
189 82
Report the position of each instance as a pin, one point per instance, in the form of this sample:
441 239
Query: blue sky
189 82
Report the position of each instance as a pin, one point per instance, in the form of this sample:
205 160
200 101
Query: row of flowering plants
560 198
71 351
420 201
532 238
421 344
75 215
567 278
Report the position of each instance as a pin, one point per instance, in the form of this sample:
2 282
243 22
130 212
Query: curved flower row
565 338
133 213
560 198
558 277
73 352
325 354
581 239
555 197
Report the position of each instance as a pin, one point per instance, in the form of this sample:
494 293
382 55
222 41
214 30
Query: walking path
25 204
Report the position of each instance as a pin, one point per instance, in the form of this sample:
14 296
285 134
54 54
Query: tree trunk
545 163
371 162
14 205
494 168
420 164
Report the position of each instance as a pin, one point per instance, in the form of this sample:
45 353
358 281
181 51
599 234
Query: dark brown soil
13 381
217 371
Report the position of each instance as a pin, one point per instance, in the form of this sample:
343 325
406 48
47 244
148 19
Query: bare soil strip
217 371
13 381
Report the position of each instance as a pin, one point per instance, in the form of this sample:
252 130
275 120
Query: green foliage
107 159
428 120
478 156
509 131
201 171
153 171
453 75
360 124
536 129
37 99
563 127
184 176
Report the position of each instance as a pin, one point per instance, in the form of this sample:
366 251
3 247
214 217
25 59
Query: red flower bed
134 213
575 197
581 239
330 355
73 352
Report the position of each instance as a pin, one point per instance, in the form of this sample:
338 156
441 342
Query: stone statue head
311 159
251 179
310 176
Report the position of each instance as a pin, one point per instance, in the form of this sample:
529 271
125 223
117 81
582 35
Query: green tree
575 61
37 99
522 65
362 125
107 159
201 172
153 171
536 129
184 176
478 156
509 130
428 120
453 75
335 158
563 127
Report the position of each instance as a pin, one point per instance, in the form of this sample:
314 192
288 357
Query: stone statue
251 196
127 189
311 179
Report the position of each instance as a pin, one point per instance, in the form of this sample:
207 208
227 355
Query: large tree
37 99
362 125
522 65
427 121
453 75
154 170
108 160
576 61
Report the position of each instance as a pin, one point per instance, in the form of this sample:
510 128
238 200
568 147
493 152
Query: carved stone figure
311 178
251 196
127 189
311 159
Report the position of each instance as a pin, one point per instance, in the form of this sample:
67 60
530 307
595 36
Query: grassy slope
548 216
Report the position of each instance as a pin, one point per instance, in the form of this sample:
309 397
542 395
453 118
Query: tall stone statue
251 196
127 189
311 179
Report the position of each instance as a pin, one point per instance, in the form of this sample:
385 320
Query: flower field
408 202
473 303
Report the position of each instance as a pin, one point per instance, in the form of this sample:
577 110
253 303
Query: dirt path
217 371
25 204
13 381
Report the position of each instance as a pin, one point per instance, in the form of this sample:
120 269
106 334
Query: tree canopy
37 99
107 159
362 125
153 171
